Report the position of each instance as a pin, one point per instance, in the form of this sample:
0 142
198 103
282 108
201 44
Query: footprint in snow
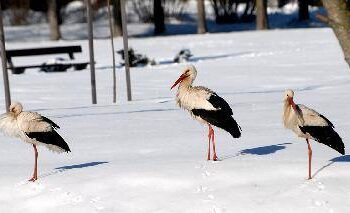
211 197
29 188
200 166
320 186
71 198
316 185
201 189
96 202
206 174
205 190
321 203
76 198
218 210
64 197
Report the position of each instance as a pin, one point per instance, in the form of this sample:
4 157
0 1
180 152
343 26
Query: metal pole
91 50
126 48
4 64
113 55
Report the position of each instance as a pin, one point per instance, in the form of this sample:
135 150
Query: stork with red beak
205 106
309 124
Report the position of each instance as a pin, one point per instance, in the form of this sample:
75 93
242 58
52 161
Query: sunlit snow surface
149 156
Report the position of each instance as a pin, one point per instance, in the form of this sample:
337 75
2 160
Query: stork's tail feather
51 139
233 128
325 135
220 119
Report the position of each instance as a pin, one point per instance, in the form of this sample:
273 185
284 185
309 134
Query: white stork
205 106
32 128
309 124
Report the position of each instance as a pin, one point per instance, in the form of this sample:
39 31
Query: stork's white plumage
309 124
205 106
32 128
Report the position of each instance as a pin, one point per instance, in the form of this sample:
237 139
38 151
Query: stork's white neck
286 112
185 86
291 117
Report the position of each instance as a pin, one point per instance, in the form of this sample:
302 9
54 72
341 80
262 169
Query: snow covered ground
149 156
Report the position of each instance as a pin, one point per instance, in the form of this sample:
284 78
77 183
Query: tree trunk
339 20
303 10
52 17
261 15
117 17
158 13
201 24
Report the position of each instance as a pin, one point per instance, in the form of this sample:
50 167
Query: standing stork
205 106
309 124
33 128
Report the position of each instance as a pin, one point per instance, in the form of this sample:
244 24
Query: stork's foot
215 158
33 179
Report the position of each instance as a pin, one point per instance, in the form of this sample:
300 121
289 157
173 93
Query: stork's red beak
291 102
181 78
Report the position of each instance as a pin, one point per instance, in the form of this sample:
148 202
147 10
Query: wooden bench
70 50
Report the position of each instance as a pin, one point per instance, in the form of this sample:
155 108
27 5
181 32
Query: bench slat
46 65
43 51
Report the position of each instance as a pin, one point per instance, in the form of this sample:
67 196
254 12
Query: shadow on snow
75 166
340 159
343 158
265 150
262 150
83 165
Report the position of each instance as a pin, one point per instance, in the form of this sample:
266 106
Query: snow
149 156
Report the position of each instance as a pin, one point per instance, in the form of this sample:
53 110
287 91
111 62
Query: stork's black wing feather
325 135
53 124
220 117
328 121
51 137
220 103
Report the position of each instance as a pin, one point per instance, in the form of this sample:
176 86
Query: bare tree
339 19
52 17
261 15
159 26
303 10
117 17
201 26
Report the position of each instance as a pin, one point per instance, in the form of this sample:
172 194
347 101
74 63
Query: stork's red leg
35 172
209 138
215 157
310 156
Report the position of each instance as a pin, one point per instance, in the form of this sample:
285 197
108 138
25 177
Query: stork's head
188 75
16 108
288 94
288 97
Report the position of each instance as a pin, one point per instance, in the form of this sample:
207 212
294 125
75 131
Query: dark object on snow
70 50
183 56
55 65
136 59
